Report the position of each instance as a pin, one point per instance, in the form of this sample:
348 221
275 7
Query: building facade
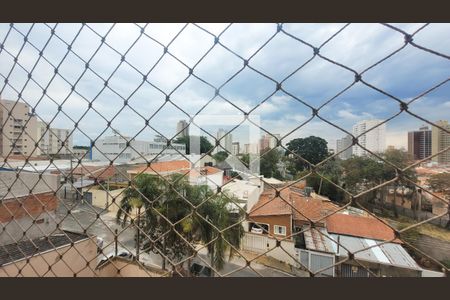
374 140
121 148
182 128
225 141
19 209
344 143
235 148
419 143
440 140
53 141
19 132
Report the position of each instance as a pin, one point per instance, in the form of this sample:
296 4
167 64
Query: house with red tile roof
208 175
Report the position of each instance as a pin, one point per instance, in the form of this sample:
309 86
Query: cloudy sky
404 75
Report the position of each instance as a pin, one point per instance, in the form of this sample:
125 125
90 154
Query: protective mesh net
117 208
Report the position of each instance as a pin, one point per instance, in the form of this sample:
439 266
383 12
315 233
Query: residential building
121 148
18 135
268 141
285 220
235 148
344 144
53 140
374 140
419 143
81 152
251 149
213 177
35 211
225 141
182 128
121 267
68 254
440 140
247 192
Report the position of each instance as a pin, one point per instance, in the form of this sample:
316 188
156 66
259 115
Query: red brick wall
30 205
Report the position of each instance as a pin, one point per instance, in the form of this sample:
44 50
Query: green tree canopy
269 159
313 149
171 226
205 144
220 156
439 182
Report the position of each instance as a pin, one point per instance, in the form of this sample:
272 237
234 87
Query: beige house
54 256
119 267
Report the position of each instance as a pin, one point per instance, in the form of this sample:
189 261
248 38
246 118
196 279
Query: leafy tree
439 182
332 171
171 226
313 149
205 144
220 156
269 159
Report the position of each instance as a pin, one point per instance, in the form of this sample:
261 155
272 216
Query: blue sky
404 75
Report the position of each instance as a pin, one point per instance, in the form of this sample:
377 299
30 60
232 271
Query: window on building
279 230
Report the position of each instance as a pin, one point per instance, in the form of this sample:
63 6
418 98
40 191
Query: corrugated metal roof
386 254
318 241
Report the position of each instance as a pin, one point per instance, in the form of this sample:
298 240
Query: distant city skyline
315 84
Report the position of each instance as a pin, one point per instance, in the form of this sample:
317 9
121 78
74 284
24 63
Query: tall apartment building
54 140
342 144
225 142
374 140
268 141
419 143
235 148
440 140
182 128
115 148
19 131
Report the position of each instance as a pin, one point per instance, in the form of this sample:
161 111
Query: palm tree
169 212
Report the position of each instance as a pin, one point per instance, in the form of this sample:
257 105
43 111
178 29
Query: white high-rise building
115 148
342 144
226 141
183 128
374 140
54 140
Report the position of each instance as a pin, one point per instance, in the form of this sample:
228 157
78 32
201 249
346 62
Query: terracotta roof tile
163 167
359 226
289 202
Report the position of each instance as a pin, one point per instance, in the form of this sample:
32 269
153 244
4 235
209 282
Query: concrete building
115 148
182 128
53 141
342 144
21 209
440 140
225 142
374 140
268 141
235 148
251 149
419 143
207 175
16 137
67 253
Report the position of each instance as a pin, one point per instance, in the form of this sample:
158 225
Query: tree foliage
439 182
313 149
171 226
220 156
269 160
205 144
